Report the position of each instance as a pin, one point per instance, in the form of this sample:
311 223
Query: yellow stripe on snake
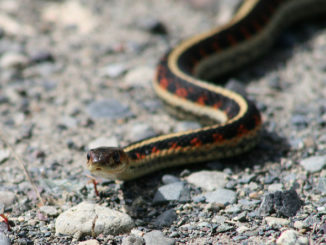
181 81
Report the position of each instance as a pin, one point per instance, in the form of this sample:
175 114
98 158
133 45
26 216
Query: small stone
275 187
49 210
208 180
67 122
313 164
172 192
103 141
92 219
218 219
233 209
140 131
13 60
166 218
157 238
242 229
291 237
110 108
4 240
286 203
321 187
168 179
133 240
7 198
114 70
4 155
299 120
272 221
221 196
139 77
89 242
152 25
299 225
41 56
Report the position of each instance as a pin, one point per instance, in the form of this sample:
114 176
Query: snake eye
116 157
88 156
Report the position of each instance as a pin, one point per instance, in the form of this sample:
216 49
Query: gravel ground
77 74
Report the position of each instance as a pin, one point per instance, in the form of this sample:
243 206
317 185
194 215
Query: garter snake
180 80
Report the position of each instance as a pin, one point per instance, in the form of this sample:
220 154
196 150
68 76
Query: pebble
313 164
67 122
152 25
89 219
172 192
103 141
299 120
139 77
89 242
49 210
169 179
275 187
133 240
114 70
291 237
4 240
110 109
157 238
242 229
140 131
233 209
166 218
246 178
272 221
286 203
41 56
13 60
221 196
208 180
4 155
321 187
7 198
218 219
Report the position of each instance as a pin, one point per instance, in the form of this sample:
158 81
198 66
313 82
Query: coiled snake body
180 81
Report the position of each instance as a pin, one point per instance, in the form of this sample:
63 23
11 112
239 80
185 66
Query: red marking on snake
182 92
218 137
174 145
196 142
140 156
217 105
245 32
242 130
202 100
232 40
164 83
155 150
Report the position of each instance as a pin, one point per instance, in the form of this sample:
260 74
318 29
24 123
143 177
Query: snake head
107 162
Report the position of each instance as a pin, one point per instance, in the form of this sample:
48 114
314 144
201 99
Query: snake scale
181 81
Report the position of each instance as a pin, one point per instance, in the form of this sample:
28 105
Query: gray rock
275 187
166 218
133 240
286 203
4 240
272 221
291 237
157 238
233 209
313 164
172 192
90 219
111 109
102 141
13 60
139 77
169 179
4 155
49 210
246 178
208 180
89 242
140 131
114 70
219 219
7 198
221 196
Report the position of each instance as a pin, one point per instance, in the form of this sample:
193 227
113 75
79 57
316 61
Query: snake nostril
88 156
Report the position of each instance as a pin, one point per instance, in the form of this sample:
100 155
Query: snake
182 80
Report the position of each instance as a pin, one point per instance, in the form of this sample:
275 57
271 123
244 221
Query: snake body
180 80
